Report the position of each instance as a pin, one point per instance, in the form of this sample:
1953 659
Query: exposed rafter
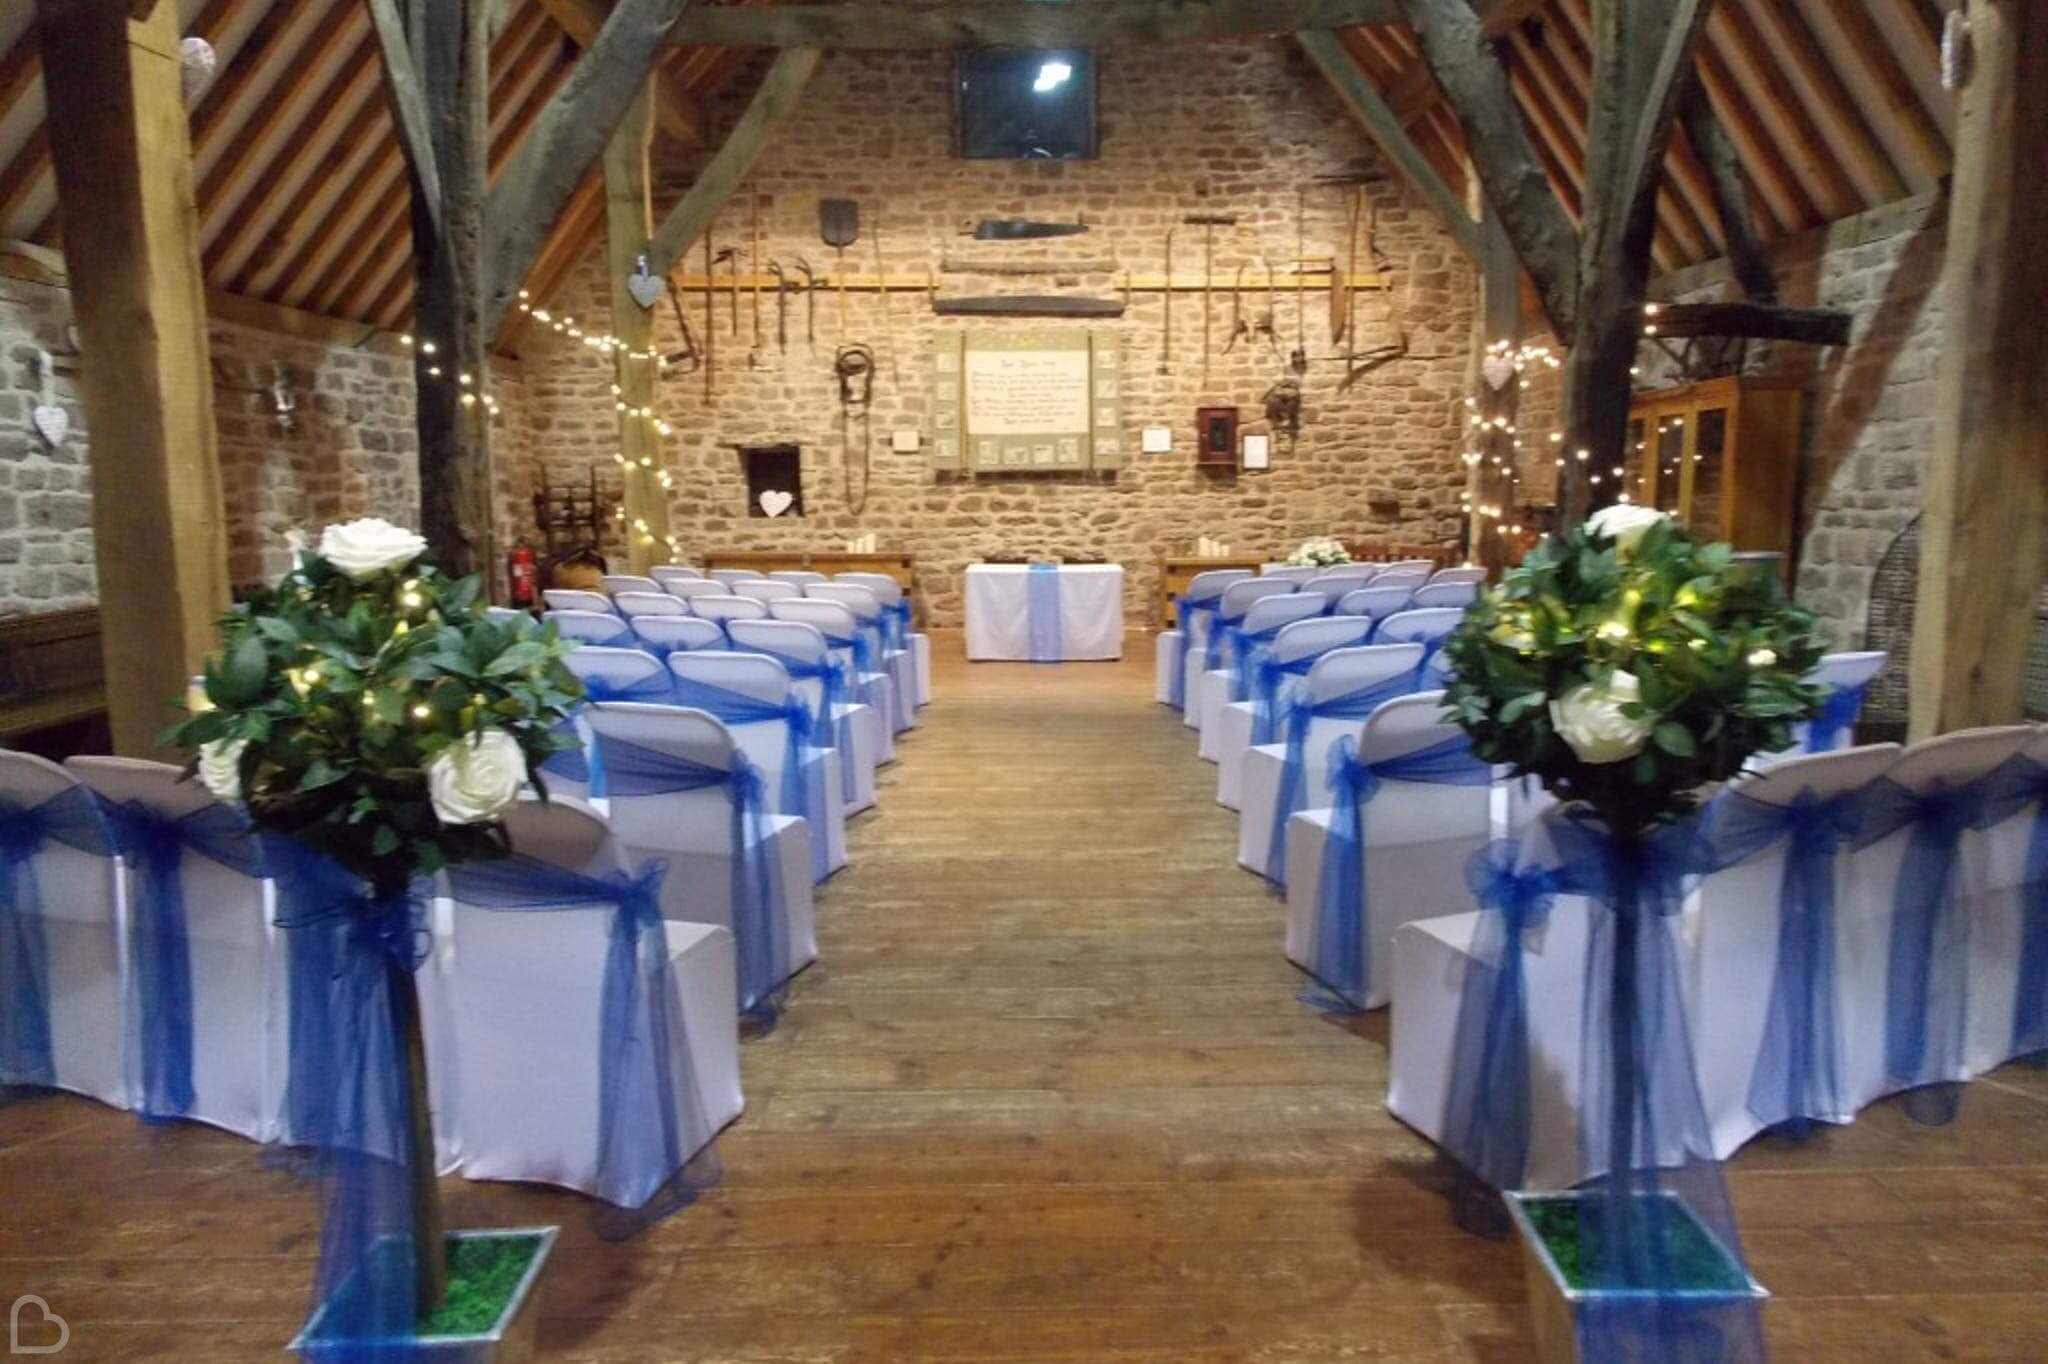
1014 23
675 112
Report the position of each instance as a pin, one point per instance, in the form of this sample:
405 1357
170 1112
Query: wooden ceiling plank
571 240
1914 35
1889 103
1779 191
1774 32
20 68
1769 89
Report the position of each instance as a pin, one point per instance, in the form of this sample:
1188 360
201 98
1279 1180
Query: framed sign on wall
1041 401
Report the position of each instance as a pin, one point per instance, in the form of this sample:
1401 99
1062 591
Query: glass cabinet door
1636 473
1669 452
1707 474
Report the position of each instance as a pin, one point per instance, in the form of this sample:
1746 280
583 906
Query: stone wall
350 450
1235 128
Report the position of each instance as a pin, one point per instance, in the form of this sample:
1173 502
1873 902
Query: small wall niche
774 473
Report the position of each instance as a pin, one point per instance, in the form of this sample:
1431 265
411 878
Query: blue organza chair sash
2017 783
71 817
759 920
1302 713
1239 648
1186 610
1643 1132
650 1113
862 645
896 631
154 845
1269 675
580 764
835 687
1797 1079
1341 954
1837 715
800 795
1042 610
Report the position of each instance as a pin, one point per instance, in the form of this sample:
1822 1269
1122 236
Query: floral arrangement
1320 551
1626 666
366 706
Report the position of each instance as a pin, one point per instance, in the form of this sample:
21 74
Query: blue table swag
1042 609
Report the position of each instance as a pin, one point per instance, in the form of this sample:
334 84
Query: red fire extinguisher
521 572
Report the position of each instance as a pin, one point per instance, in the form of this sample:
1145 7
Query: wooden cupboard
1722 457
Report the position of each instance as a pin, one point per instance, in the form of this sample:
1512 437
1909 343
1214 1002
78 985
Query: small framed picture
1258 452
1156 440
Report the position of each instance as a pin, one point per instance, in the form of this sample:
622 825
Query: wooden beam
1389 136
1984 534
771 104
1755 320
629 220
1731 194
565 140
123 159
1475 82
1497 17
1014 23
408 104
675 112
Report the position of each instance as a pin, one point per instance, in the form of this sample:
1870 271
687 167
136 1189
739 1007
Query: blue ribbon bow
1301 716
71 817
835 690
799 795
1239 648
1341 956
759 920
154 846
1186 610
1042 605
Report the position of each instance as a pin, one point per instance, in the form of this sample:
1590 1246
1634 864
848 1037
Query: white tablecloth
999 611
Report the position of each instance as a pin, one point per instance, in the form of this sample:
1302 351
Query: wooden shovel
839 225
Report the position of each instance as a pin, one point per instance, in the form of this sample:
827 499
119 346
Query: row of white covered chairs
511 1001
1801 1008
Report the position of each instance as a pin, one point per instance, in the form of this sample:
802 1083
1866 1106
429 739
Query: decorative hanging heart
53 423
775 501
643 286
1497 369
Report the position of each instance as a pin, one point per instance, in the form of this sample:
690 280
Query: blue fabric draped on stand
1798 1076
1301 716
800 795
1642 1126
71 817
1186 610
352 954
160 985
650 1112
2017 783
1927 968
759 918
835 686
1341 955
1042 606
1837 715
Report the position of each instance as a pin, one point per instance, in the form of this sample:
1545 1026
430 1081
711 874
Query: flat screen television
1025 104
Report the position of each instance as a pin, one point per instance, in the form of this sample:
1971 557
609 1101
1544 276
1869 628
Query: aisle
1048 1097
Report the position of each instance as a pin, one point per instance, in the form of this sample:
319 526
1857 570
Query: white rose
220 767
1624 523
1589 718
363 549
296 543
474 781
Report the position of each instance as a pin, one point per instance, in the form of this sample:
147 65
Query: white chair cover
631 604
526 1028
872 689
798 576
616 583
1408 566
573 599
852 722
665 634
723 609
687 590
1457 575
1426 626
1303 640
729 576
1294 573
591 627
1335 674
1410 578
1374 603
1334 583
897 663
237 977
1418 836
763 679
1237 599
85 984
765 590
890 593
1453 594
1166 656
1266 615
668 573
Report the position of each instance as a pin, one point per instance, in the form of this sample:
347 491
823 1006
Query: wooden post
1984 536
122 150
1499 319
629 221
449 51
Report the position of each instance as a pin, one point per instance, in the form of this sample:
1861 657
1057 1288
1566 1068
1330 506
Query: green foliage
1718 650
483 1273
345 690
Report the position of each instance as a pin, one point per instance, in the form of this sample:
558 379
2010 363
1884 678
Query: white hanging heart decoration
644 286
775 501
53 423
1497 369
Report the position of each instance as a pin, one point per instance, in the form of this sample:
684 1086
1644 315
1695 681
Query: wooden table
1175 572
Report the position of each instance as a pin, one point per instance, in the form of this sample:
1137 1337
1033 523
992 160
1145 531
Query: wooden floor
1049 1097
